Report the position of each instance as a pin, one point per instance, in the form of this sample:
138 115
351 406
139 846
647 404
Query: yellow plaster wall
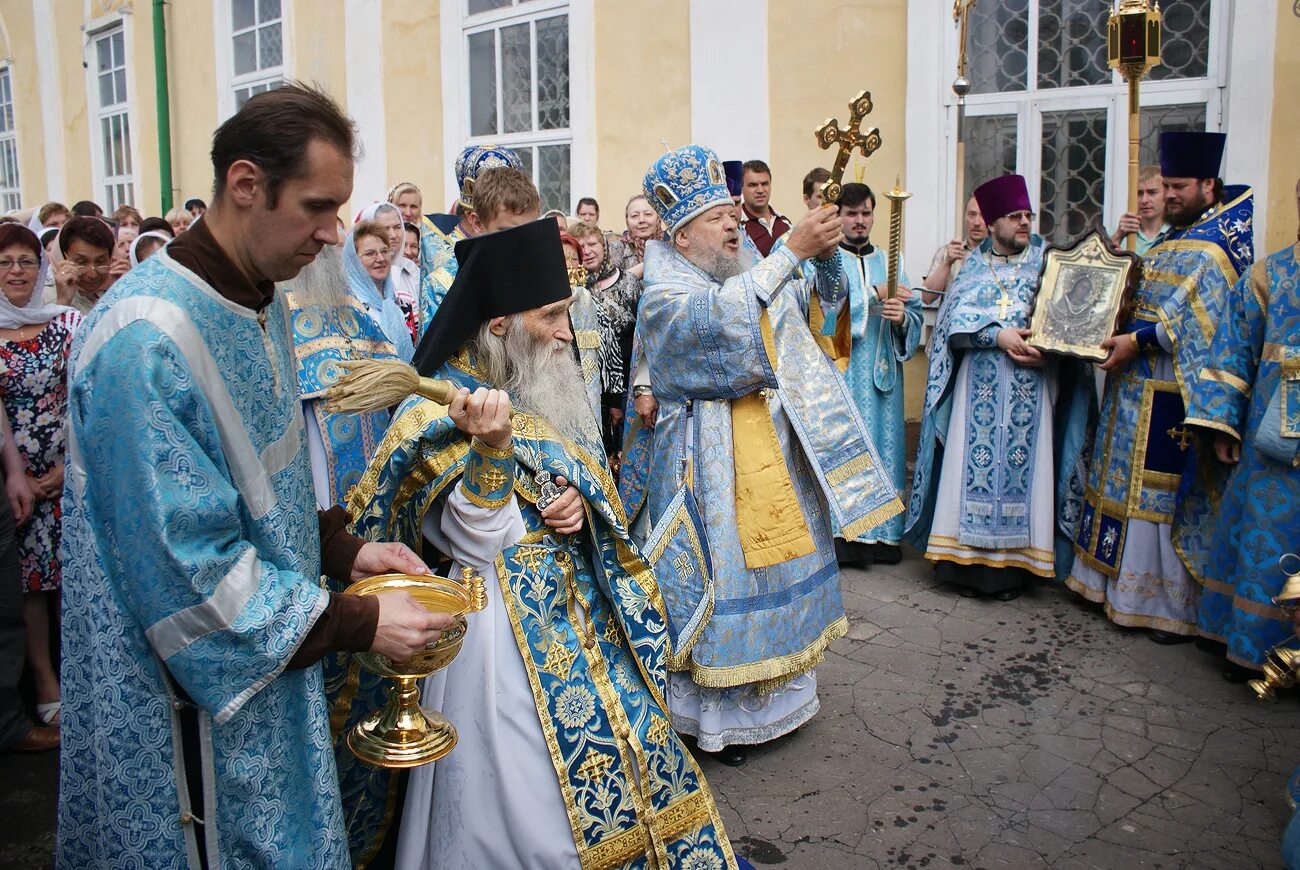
813 73
192 82
643 94
72 51
19 37
317 50
1284 158
413 97
820 54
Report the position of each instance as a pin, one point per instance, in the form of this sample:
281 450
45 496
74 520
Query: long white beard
322 284
541 376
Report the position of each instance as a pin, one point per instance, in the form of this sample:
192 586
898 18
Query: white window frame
457 26
932 115
102 28
11 198
224 38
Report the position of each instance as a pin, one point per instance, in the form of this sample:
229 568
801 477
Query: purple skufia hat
734 170
1189 154
1002 196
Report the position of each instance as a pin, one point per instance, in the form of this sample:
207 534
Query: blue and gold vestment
1146 465
1250 389
590 628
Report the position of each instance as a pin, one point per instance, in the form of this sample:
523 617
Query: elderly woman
405 273
35 338
367 261
81 277
409 202
179 220
146 245
628 251
617 293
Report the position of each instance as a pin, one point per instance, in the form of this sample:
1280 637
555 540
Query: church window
10 195
517 53
111 152
1043 102
256 48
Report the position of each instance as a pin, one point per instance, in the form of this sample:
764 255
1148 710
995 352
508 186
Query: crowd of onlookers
55 264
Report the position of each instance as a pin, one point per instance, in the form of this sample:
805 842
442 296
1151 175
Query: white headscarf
36 310
151 234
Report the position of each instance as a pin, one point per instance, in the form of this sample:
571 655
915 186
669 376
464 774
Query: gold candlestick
1133 48
896 198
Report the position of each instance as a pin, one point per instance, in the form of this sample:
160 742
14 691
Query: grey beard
718 263
321 286
541 377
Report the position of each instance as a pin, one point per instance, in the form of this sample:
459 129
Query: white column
583 154
729 85
363 54
1252 35
930 133
47 72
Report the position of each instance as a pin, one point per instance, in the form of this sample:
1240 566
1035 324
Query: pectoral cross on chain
1004 303
847 138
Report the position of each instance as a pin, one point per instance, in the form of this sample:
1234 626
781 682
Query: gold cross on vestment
1004 303
847 138
1180 436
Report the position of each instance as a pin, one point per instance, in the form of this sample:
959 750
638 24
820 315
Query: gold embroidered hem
1036 561
1213 424
775 671
492 452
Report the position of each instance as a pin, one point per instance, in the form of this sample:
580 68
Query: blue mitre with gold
474 160
684 183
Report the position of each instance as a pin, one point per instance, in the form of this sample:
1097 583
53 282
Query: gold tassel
371 384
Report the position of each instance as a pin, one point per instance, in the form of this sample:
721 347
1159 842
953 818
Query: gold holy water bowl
404 734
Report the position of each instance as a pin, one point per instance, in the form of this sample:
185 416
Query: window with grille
112 158
1043 102
518 60
257 47
10 196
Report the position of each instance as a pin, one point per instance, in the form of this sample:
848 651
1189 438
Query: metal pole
164 104
1134 142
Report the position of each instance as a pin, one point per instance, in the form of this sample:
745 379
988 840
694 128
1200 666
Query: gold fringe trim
885 512
858 464
775 671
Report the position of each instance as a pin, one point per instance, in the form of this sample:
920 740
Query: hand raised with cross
847 138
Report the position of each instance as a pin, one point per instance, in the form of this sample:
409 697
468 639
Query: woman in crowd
124 237
409 202
127 217
146 245
405 276
81 277
35 338
179 219
617 294
628 251
157 225
367 261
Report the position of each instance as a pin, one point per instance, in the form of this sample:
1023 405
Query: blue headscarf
382 305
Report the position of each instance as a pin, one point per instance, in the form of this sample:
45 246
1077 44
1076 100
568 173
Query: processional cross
847 138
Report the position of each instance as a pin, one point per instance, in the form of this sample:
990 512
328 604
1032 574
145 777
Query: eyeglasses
26 264
103 270
1018 216
383 253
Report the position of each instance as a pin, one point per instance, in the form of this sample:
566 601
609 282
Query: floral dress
34 384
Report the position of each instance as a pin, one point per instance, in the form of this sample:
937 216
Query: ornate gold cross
1180 436
847 138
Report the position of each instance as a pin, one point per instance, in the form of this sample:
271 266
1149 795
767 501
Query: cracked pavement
966 733
973 734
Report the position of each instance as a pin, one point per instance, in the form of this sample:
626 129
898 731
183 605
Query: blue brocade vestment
191 575
1250 389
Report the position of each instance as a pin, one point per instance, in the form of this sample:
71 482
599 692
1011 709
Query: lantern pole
1133 48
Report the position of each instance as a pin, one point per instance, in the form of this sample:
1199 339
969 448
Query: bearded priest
757 428
566 756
